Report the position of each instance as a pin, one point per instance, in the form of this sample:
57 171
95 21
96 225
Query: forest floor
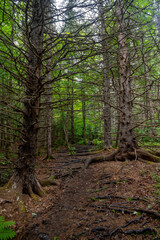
109 200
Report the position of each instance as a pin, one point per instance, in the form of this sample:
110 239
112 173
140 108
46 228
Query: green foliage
143 172
1 155
72 150
129 199
5 231
156 184
155 177
80 71
99 144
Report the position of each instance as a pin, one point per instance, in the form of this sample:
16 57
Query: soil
109 200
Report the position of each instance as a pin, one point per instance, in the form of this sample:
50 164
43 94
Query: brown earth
109 200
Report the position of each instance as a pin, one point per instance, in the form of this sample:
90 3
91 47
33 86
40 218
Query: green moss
47 182
22 206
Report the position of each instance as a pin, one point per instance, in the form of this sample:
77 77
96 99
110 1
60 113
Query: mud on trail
109 200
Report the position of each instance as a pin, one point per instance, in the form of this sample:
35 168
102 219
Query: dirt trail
63 219
67 213
110 200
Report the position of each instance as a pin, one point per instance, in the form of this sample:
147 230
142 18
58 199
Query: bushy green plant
99 144
5 231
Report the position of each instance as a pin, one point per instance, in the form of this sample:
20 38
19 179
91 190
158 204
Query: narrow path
64 217
98 203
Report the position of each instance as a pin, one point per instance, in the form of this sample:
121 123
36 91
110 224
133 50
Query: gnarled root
109 157
47 182
119 156
148 156
17 184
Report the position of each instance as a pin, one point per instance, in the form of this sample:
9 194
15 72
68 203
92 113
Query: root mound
28 187
120 156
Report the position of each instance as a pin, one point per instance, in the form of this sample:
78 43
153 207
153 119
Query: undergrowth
5 231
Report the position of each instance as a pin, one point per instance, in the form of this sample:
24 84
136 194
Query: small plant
129 199
143 172
5 231
92 199
157 190
3 163
156 178
72 150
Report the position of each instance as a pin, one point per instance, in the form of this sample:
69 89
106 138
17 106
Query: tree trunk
127 138
24 179
106 80
84 115
149 107
49 29
49 115
148 101
72 114
67 118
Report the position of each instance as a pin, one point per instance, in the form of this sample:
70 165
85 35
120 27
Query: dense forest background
82 72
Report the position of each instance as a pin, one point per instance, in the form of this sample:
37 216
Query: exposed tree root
127 232
20 186
48 157
147 156
119 156
120 197
136 231
141 231
88 153
126 225
47 182
103 158
3 201
156 153
126 209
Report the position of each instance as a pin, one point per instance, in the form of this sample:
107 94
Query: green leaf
5 231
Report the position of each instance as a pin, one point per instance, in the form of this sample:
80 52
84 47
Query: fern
5 231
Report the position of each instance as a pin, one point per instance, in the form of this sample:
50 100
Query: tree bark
148 101
67 118
106 80
84 115
127 139
49 91
72 114
24 179
49 115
